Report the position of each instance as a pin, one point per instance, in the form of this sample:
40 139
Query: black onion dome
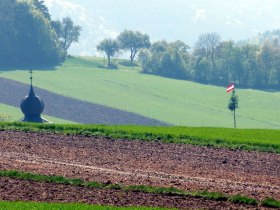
32 105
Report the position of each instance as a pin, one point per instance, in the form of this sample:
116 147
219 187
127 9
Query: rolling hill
172 101
72 109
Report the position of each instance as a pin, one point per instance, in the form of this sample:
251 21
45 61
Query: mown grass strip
140 188
8 205
242 139
243 200
270 202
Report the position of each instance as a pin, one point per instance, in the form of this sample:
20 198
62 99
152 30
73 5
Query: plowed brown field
127 162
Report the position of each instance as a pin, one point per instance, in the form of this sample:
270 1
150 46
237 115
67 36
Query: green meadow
247 139
11 113
177 102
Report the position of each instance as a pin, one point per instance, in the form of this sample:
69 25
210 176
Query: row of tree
211 61
28 36
127 41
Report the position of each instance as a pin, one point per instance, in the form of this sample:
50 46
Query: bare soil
127 162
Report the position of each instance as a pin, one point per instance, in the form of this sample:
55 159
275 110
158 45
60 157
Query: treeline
211 61
217 62
29 37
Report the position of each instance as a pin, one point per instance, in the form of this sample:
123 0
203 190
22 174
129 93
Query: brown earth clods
105 160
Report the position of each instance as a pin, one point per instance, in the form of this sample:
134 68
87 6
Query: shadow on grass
28 68
127 63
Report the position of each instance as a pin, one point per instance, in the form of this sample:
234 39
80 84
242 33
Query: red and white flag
230 88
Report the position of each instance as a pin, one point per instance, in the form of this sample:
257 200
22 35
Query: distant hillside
167 100
72 109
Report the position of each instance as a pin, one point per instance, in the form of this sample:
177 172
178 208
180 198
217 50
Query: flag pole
234 116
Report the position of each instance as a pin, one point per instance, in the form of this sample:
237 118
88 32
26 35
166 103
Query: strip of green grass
141 188
270 202
246 139
7 205
243 200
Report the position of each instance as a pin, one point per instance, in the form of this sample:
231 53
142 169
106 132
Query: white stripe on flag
230 88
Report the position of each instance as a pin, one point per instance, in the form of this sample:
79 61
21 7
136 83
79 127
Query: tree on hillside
26 36
7 32
266 59
133 42
201 66
229 68
69 33
180 47
36 42
166 59
206 47
109 47
248 55
207 43
233 105
40 5
57 26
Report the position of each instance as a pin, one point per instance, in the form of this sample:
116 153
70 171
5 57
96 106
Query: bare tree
207 43
206 47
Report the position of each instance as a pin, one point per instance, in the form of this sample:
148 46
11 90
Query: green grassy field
173 101
247 139
7 205
11 113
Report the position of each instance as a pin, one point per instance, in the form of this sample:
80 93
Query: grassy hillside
173 101
14 114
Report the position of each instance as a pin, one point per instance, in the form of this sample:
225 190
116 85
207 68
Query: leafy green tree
36 42
144 57
40 5
26 35
233 105
276 70
69 33
249 65
230 69
57 26
201 70
109 47
133 42
166 59
181 48
267 57
7 32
